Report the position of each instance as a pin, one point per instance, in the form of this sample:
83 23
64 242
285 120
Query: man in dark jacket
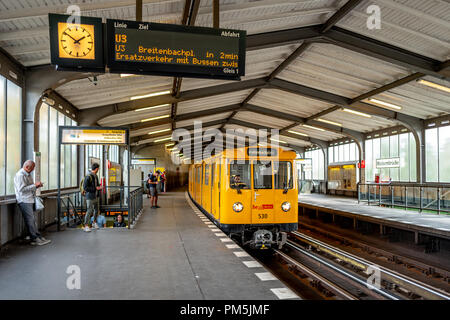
91 187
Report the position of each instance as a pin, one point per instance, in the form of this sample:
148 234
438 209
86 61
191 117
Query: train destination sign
76 135
175 50
262 152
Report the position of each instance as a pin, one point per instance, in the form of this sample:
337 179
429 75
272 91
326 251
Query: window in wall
13 133
318 164
391 147
369 174
444 154
394 173
49 120
330 155
437 153
2 135
431 155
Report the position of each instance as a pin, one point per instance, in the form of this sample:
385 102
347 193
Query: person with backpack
147 184
89 188
153 192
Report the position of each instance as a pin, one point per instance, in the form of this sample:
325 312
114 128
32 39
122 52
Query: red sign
362 164
263 207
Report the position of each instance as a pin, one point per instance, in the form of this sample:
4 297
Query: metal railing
429 197
113 198
136 205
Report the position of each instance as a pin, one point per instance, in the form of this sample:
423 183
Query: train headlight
238 207
286 206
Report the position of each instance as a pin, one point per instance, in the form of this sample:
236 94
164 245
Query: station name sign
388 163
74 135
175 50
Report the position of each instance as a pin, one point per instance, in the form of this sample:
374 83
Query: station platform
423 223
174 252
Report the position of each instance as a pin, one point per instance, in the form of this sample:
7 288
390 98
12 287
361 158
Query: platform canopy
314 70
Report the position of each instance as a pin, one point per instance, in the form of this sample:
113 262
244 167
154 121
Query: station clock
77 45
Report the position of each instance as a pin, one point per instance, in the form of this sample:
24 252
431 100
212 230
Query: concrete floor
409 220
171 254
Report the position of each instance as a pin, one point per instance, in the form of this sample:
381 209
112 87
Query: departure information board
175 50
91 135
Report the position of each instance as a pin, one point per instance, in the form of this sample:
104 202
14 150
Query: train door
219 179
262 197
213 189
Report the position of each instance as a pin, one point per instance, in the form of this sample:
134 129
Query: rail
403 281
430 197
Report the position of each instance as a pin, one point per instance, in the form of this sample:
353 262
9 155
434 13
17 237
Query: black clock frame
75 64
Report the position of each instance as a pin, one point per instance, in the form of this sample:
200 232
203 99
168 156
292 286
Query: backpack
83 192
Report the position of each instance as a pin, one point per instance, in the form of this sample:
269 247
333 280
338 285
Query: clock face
76 41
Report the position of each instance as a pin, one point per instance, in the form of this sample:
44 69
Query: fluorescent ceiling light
124 75
298 133
154 94
170 144
158 131
386 104
153 107
434 85
272 139
156 118
311 127
163 139
176 151
330 122
357 113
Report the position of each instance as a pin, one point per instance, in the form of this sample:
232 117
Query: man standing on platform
25 189
91 186
153 192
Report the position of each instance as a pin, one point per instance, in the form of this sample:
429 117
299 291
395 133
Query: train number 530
263 216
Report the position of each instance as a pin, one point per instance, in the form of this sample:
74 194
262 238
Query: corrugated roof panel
358 123
259 16
340 71
288 102
212 102
140 132
124 118
313 133
111 88
260 119
219 116
415 25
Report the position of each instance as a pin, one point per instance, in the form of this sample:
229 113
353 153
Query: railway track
338 264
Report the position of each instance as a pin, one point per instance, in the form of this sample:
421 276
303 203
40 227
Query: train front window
240 175
262 175
283 175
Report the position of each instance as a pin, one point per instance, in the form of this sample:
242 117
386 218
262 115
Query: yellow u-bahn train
248 192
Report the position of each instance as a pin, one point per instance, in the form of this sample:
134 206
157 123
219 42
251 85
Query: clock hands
70 37
78 41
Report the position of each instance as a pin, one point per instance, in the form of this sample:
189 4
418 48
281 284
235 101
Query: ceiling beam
93 115
341 13
189 15
383 51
